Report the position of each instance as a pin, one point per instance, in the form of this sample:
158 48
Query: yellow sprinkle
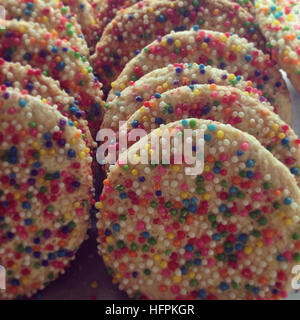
206 168
281 215
176 279
156 257
68 216
82 155
196 92
163 42
52 152
171 236
99 205
122 86
165 86
259 243
17 196
163 264
76 205
106 258
142 109
206 196
35 144
113 84
220 134
109 239
184 195
176 168
231 76
248 250
272 134
192 275
204 45
25 281
281 135
288 221
134 172
177 43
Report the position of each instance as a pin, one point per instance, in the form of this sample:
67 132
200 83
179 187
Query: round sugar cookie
279 21
231 232
45 193
32 81
219 50
139 25
28 43
158 81
227 105
84 13
51 14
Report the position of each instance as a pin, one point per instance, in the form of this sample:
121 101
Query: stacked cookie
50 99
230 231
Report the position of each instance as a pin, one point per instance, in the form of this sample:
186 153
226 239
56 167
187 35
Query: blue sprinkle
134 123
224 286
116 227
216 237
71 153
202 294
250 163
243 238
184 122
22 103
189 247
287 201
207 137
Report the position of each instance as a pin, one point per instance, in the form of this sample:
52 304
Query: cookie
32 81
223 51
227 105
51 14
84 13
45 192
231 232
27 43
158 81
279 21
139 25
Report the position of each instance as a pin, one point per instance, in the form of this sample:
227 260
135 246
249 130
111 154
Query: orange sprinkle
106 182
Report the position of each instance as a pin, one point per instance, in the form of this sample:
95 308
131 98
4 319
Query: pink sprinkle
223 156
244 146
209 176
210 262
184 186
140 225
